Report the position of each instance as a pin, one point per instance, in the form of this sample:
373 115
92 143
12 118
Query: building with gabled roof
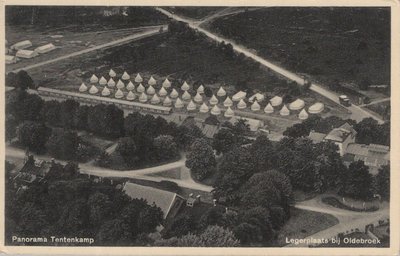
168 202
374 156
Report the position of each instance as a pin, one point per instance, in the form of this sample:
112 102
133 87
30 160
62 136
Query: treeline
82 15
72 205
52 126
369 131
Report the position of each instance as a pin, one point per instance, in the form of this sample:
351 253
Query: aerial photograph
197 126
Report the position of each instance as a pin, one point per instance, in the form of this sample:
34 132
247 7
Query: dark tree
63 144
201 159
165 148
33 136
383 182
128 150
224 141
358 182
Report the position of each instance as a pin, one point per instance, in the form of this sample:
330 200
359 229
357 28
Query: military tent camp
239 96
284 111
200 90
21 45
228 102
138 78
167 102
185 86
198 98
111 83
316 108
213 100
204 108
269 109
119 94
151 90
140 88
297 104
26 54
241 104
93 90
178 103
11 59
130 96
143 97
125 76
105 92
276 101
152 81
120 84
221 92
191 106
94 79
155 99
174 94
83 88
166 83
45 48
186 96
215 111
162 92
258 96
303 115
229 113
255 106
130 86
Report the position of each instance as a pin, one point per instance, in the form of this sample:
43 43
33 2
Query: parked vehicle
344 100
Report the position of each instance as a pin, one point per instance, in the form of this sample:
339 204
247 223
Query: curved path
357 113
89 168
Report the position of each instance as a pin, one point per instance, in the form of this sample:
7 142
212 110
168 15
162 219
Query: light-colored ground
357 113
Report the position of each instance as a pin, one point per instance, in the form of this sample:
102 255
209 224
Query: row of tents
22 51
240 97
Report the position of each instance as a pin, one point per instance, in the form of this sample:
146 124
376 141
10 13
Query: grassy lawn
304 223
348 44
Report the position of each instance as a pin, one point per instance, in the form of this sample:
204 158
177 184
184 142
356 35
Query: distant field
194 12
348 44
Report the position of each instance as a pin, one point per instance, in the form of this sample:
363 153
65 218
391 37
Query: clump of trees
71 205
201 159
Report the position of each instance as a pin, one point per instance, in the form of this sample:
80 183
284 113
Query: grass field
193 12
348 44
304 223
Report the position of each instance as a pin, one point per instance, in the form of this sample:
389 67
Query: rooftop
341 133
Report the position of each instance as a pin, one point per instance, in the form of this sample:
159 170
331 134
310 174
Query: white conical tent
150 90
143 97
276 101
155 99
178 103
221 92
191 106
120 84
93 90
229 113
167 102
200 89
198 98
111 83
174 94
186 96
316 108
204 108
152 81
284 111
241 104
119 94
297 104
130 96
303 115
83 87
94 79
166 83
213 100
140 88
269 109
255 106
162 92
228 102
130 86
105 92
125 76
138 78
215 111
102 81
112 73
185 86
